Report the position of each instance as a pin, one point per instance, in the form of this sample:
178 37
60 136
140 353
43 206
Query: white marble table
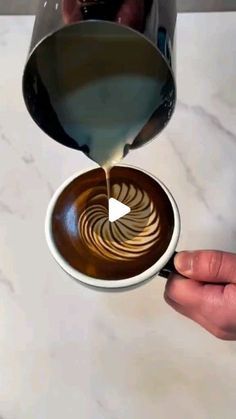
69 352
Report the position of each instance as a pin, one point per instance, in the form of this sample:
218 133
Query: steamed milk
113 112
107 114
102 88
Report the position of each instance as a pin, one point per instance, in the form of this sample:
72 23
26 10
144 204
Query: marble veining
6 283
5 208
28 159
203 113
69 351
189 175
4 137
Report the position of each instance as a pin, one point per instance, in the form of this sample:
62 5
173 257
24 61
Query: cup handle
169 268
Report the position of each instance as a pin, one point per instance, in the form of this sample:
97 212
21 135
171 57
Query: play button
117 210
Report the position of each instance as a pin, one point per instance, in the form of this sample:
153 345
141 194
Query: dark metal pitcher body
135 37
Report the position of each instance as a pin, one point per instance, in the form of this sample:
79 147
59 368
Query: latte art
112 251
127 238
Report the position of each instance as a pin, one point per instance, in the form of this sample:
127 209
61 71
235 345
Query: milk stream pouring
100 75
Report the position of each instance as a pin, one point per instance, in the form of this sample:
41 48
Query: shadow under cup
112 255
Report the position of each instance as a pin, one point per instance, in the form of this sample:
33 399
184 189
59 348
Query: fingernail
183 262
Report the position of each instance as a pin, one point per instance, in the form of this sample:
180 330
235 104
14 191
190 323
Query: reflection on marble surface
67 351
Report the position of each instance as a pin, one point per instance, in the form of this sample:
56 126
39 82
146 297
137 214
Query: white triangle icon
117 210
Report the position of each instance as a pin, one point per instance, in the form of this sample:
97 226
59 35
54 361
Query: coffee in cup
112 254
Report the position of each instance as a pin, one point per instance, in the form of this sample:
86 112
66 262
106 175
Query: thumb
207 265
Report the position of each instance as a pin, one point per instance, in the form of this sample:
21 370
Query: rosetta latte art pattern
127 238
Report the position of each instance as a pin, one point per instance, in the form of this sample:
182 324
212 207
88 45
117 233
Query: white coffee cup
163 265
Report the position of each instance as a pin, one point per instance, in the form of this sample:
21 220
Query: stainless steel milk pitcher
75 42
